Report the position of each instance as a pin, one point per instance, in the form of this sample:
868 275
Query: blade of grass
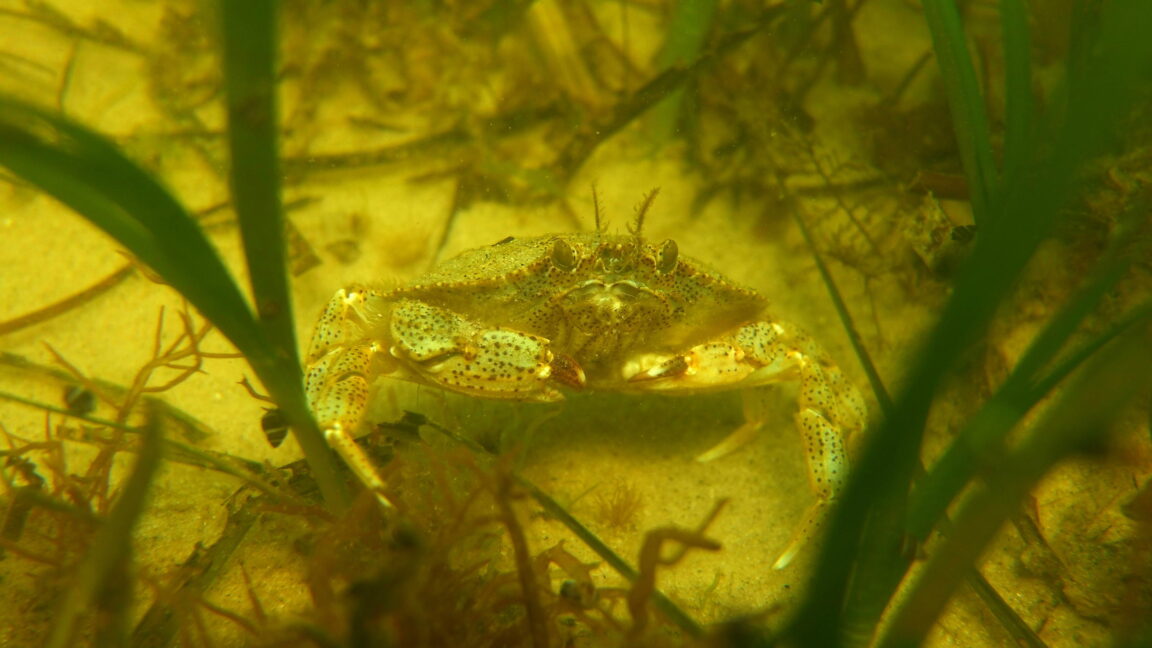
683 41
1022 633
103 574
86 172
888 561
1109 381
1018 110
249 36
1100 74
250 90
891 456
75 300
981 438
969 119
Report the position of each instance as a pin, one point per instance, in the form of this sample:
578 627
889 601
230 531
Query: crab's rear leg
342 361
830 411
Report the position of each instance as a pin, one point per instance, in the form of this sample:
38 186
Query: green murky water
413 131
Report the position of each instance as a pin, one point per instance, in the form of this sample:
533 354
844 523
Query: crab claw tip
671 368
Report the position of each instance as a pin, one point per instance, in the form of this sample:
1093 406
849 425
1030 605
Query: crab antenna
642 210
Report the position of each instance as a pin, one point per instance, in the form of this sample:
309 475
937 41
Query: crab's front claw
830 411
712 366
445 349
751 356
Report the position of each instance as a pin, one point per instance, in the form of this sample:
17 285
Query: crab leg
340 366
830 412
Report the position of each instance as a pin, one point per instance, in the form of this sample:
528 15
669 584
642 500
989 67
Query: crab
531 319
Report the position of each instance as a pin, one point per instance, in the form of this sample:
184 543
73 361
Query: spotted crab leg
830 411
342 360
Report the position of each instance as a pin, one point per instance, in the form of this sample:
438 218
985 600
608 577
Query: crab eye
563 256
666 258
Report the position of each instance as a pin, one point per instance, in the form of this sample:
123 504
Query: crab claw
567 372
671 368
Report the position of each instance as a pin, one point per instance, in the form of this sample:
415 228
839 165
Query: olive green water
490 96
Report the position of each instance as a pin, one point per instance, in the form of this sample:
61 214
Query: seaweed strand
71 302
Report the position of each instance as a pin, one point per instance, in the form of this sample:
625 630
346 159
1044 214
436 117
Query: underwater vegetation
618 507
965 212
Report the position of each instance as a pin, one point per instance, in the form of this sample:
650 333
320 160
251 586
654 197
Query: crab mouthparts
607 304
